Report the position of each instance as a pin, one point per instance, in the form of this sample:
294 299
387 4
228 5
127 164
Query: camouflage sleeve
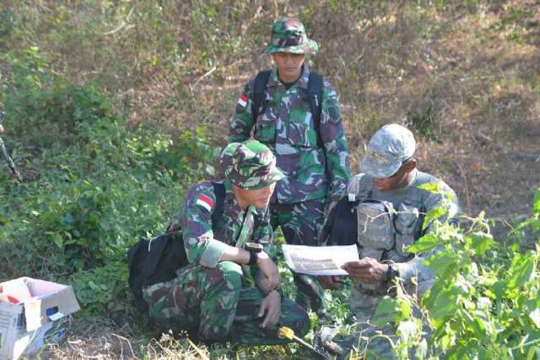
196 221
242 122
335 144
263 233
415 269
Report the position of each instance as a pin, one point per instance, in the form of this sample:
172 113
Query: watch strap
252 258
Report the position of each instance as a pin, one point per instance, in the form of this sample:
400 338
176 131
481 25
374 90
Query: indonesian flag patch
242 101
205 202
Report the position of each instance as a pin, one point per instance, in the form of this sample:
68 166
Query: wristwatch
254 249
392 272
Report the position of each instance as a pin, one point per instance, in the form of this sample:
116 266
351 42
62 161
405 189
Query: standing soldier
296 114
211 297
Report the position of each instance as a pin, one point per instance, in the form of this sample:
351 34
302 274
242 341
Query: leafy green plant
100 186
484 302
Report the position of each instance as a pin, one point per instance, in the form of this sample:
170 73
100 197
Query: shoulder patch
205 202
242 101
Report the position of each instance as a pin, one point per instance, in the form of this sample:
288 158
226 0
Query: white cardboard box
31 313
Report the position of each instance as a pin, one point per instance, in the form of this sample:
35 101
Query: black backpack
340 228
314 93
156 260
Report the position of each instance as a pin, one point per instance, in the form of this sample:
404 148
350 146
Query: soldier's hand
1 129
271 305
272 278
330 282
366 270
264 284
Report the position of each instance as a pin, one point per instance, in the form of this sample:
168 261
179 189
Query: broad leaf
425 243
445 304
443 261
432 187
481 242
521 270
387 312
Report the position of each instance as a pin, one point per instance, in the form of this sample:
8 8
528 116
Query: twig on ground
462 171
208 73
201 354
128 342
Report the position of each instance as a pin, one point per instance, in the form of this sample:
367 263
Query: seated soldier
210 296
389 211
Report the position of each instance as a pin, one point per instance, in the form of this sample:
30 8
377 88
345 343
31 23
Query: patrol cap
250 165
387 150
289 35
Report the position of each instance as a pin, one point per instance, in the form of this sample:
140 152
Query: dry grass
98 338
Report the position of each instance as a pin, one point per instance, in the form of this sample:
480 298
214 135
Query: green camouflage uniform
314 174
388 149
216 300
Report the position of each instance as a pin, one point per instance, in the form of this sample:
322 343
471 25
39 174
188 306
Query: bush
484 303
100 187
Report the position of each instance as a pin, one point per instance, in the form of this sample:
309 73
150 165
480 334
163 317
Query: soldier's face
259 198
289 65
400 179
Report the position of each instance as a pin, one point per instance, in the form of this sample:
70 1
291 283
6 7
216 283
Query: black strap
315 91
261 80
219 191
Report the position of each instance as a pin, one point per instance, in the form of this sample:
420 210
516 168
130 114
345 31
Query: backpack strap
219 190
315 94
314 91
261 80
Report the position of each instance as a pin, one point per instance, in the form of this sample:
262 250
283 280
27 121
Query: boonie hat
289 35
250 165
387 150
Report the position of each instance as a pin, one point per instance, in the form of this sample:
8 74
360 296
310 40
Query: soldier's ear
410 165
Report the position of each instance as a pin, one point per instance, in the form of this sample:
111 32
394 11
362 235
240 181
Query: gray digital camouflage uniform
315 174
388 149
213 299
408 202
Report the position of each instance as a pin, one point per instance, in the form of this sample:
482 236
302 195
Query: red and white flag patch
243 100
205 202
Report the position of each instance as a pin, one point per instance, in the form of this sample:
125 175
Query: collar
302 81
230 197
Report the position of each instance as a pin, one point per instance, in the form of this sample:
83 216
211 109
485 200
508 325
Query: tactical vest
379 230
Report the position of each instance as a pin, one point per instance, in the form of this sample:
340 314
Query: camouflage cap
289 35
387 150
250 165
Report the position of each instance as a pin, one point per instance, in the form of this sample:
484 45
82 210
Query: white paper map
319 260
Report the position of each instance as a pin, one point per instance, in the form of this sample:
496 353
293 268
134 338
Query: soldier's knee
231 273
295 317
303 324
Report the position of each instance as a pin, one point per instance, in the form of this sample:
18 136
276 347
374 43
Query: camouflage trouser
301 224
211 303
373 341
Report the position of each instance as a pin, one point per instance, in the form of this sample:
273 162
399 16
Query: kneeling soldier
212 296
